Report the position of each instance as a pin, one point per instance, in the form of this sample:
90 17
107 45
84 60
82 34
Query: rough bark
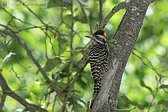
125 38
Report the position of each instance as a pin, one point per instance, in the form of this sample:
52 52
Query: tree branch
2 102
9 92
32 12
100 10
118 7
84 60
12 34
87 18
125 38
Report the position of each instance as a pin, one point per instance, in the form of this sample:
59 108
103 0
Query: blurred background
55 31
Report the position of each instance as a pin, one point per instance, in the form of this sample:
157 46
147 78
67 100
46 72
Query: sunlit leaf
50 30
7 57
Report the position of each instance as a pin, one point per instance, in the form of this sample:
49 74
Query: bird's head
98 37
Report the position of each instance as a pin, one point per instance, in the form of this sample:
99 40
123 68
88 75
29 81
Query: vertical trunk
125 38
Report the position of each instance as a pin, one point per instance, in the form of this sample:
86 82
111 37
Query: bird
99 54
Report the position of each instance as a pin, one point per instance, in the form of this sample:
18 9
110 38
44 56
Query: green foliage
60 43
52 63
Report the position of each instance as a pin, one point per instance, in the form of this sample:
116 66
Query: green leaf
61 40
144 85
1 46
58 3
52 63
54 3
76 107
163 102
126 99
163 86
80 18
82 83
79 49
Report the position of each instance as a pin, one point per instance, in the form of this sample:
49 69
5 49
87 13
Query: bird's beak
90 37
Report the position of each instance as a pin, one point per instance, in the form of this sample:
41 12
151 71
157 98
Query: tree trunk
125 38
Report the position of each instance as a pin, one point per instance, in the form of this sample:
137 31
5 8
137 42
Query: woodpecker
98 58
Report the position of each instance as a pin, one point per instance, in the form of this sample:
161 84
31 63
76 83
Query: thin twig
87 18
32 12
9 92
54 102
12 34
155 70
118 7
124 110
71 55
14 16
22 43
69 92
3 98
154 94
72 85
100 10
150 63
29 28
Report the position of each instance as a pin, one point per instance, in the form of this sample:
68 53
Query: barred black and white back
98 58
